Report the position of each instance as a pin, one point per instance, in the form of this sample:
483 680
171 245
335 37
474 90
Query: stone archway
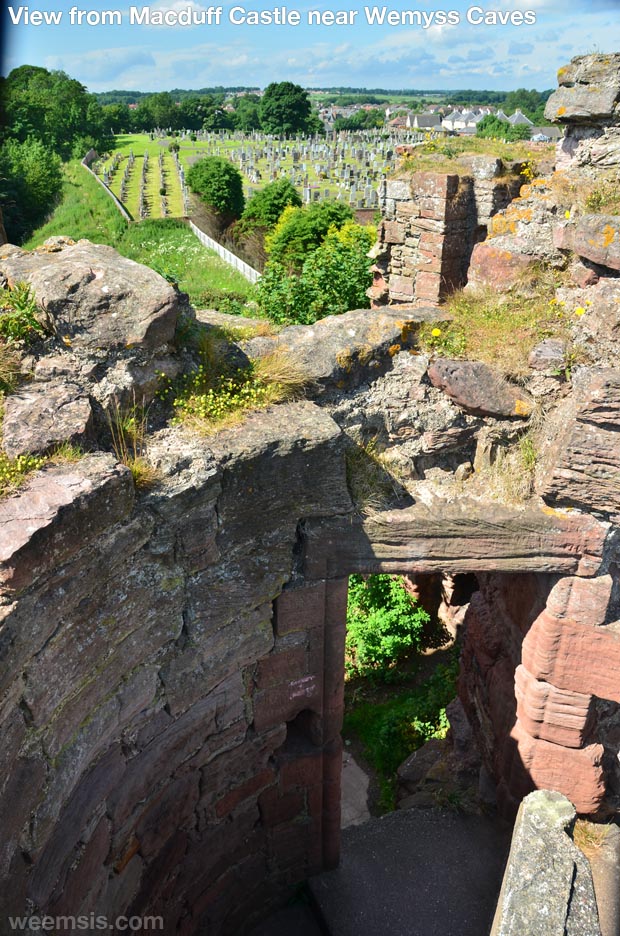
541 605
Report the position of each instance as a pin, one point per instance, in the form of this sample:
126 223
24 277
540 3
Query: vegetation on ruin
219 392
128 429
437 155
390 728
599 195
14 471
373 483
20 317
500 328
589 836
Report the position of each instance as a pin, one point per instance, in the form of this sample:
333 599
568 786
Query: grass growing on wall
166 245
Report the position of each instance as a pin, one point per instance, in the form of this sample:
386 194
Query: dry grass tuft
589 836
128 428
600 195
498 328
373 483
284 375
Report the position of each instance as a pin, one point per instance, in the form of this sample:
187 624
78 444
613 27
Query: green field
167 246
140 144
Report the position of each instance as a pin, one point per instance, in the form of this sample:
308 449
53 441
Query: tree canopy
491 127
285 108
52 107
219 185
265 207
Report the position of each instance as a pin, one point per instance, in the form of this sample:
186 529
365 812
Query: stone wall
431 222
171 691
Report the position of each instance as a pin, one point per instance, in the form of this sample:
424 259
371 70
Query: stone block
495 267
428 287
479 390
577 773
96 297
553 714
547 884
401 288
39 417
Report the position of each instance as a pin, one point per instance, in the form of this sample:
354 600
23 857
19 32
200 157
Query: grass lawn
167 246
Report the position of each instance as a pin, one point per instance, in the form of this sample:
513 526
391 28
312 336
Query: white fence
244 268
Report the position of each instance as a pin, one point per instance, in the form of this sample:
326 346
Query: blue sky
463 55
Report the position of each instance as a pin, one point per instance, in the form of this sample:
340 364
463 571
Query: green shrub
265 207
19 314
332 280
384 625
391 730
219 185
299 231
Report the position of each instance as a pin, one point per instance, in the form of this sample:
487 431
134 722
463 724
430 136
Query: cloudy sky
460 54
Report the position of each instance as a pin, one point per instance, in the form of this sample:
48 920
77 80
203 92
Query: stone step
415 872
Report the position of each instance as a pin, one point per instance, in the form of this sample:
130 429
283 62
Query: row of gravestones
352 170
107 174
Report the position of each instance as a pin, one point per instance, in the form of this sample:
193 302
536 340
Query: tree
247 113
53 108
30 182
301 230
285 109
266 206
491 127
219 185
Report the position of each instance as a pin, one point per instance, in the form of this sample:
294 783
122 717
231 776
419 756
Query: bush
491 127
219 185
301 230
30 183
384 625
266 206
333 279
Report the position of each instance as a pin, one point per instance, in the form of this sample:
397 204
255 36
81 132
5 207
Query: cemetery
348 168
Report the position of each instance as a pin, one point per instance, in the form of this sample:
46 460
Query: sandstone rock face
95 297
587 101
342 351
578 467
589 90
492 266
595 237
478 389
41 416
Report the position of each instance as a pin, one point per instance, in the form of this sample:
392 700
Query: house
428 122
519 119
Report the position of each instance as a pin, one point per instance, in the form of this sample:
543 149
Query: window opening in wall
401 668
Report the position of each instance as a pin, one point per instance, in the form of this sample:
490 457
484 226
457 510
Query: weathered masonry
173 668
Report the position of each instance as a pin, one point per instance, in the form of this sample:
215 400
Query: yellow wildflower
436 332
580 310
